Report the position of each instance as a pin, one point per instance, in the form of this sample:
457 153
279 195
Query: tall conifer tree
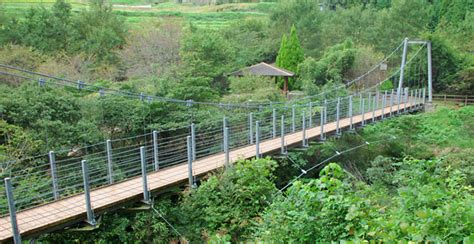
290 55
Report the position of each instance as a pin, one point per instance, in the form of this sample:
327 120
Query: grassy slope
446 130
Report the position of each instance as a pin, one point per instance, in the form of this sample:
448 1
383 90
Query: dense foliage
94 43
96 32
228 203
420 177
422 200
414 183
382 25
329 68
127 225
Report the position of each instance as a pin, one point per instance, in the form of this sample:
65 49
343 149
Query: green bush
311 211
386 85
228 203
430 203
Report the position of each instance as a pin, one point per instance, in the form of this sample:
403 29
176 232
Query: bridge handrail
65 179
465 99
208 142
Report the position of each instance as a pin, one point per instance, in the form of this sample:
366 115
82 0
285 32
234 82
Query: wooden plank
48 216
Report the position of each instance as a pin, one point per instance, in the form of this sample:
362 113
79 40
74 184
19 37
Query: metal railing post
369 100
110 168
351 126
190 162
430 73
52 164
282 132
251 127
377 100
360 103
226 146
384 103
338 108
303 117
274 121
155 150
87 193
146 193
363 110
415 100
420 98
224 125
12 211
411 100
373 109
405 100
407 95
391 103
398 101
257 139
424 95
293 115
310 115
323 112
193 139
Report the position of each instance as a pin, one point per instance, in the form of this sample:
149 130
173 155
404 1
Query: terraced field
139 11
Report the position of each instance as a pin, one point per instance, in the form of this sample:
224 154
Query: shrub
228 203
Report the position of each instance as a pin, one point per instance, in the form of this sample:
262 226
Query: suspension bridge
73 186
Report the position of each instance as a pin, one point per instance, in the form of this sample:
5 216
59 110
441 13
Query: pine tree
290 55
295 53
280 60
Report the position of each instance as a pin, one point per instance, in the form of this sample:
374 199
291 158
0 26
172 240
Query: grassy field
140 11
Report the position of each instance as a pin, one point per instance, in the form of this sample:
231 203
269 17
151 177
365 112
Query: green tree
251 41
290 55
283 52
331 67
206 53
194 88
98 32
446 62
49 115
46 30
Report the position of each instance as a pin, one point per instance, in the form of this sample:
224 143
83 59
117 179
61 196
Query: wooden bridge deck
61 213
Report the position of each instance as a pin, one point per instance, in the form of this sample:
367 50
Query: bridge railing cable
172 151
65 178
105 90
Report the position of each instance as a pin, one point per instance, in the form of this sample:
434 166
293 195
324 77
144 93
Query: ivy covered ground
413 182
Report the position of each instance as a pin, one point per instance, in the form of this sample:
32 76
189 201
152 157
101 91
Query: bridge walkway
70 210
